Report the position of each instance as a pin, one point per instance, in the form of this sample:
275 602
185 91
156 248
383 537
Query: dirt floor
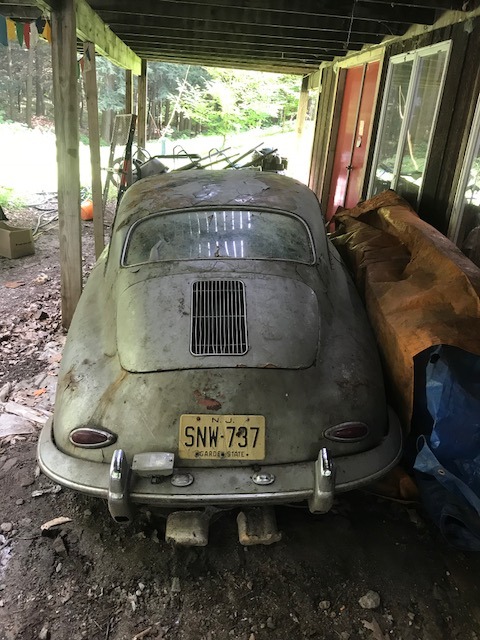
90 578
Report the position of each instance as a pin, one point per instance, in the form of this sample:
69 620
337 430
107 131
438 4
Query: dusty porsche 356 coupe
219 357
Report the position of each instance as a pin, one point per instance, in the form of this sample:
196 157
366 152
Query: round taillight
92 438
348 432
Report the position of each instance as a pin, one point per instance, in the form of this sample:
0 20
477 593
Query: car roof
199 188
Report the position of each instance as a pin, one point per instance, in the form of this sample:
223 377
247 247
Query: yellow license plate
208 437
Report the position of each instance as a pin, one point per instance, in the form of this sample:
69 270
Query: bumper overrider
152 479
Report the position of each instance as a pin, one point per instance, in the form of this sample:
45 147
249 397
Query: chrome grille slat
219 321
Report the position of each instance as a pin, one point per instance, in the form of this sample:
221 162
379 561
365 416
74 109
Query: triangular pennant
3 31
47 32
19 28
82 63
11 30
87 61
26 34
40 24
33 35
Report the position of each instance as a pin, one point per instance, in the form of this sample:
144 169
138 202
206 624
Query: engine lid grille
219 321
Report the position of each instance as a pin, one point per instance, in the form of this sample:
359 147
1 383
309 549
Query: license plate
208 437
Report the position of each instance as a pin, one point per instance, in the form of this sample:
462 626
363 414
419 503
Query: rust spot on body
69 381
208 403
108 396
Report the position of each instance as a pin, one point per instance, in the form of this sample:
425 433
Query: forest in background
183 101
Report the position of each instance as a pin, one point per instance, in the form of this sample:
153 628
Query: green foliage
182 100
234 101
111 83
9 201
165 79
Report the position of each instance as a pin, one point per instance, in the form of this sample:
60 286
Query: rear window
221 234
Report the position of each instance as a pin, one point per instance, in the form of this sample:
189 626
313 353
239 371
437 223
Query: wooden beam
270 36
164 37
281 12
274 65
90 76
20 13
204 29
91 28
236 55
142 106
64 65
239 53
236 49
225 23
128 91
443 5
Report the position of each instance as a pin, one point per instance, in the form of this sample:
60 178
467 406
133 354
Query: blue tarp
448 461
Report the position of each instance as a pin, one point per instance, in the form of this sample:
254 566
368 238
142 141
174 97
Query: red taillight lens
92 438
348 432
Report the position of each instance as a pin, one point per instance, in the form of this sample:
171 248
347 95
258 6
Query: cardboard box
15 242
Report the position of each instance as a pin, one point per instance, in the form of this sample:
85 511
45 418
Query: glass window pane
428 75
392 124
469 236
203 235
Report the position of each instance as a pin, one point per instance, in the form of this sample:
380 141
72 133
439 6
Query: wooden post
142 106
64 65
90 76
29 89
128 91
302 107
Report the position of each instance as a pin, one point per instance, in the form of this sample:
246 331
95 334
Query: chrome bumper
316 482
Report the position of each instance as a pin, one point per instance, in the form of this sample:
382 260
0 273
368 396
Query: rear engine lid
176 322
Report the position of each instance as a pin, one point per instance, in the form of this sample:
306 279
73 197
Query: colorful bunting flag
33 35
87 62
11 30
26 35
40 23
3 31
19 28
47 32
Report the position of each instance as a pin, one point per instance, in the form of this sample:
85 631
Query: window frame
471 151
416 56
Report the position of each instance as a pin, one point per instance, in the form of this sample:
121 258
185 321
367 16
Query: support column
142 106
302 107
90 76
128 91
64 66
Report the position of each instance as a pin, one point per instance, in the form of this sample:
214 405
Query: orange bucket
86 210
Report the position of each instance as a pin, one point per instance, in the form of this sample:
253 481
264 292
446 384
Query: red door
358 107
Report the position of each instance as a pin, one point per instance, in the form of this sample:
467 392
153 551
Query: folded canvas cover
419 289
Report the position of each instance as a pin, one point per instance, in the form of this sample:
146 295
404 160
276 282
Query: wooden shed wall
454 121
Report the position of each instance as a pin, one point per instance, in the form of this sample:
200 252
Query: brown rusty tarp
419 289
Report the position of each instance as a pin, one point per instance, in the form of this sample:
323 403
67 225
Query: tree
111 95
233 101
